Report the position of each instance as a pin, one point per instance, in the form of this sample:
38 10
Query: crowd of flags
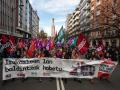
49 43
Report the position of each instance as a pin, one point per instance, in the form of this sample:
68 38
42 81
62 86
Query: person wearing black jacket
47 53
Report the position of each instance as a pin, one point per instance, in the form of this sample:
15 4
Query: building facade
68 24
79 20
35 24
104 15
7 17
72 23
97 19
85 16
16 18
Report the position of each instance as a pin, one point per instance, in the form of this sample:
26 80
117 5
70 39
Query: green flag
74 42
60 36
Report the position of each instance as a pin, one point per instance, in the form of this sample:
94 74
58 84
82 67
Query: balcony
89 1
77 13
21 29
3 31
111 34
98 13
92 8
88 15
18 35
77 18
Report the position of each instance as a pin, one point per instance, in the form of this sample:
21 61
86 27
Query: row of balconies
111 33
105 34
83 18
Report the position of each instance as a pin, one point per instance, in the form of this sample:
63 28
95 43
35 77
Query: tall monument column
53 28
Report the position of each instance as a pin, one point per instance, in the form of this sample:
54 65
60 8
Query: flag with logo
82 44
106 68
100 47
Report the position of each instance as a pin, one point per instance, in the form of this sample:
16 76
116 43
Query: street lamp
13 9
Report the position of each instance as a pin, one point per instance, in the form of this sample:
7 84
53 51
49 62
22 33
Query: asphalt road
58 84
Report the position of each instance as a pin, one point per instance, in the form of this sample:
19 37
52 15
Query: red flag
106 68
3 39
12 39
82 44
51 44
21 44
31 48
11 44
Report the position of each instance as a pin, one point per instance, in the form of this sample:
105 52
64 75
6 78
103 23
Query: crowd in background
109 53
11 47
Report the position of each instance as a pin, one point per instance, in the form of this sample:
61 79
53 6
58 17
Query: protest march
39 57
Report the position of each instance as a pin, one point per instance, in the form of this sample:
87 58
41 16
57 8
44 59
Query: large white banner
50 67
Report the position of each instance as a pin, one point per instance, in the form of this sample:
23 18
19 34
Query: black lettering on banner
18 61
18 68
51 68
47 61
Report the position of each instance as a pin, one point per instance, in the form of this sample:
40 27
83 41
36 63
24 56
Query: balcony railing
111 34
10 33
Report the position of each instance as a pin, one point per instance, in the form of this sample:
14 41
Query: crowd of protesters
108 53
11 48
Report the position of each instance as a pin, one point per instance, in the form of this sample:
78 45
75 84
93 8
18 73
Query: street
58 84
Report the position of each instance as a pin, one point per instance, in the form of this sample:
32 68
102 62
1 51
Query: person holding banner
47 53
40 54
76 55
59 53
66 55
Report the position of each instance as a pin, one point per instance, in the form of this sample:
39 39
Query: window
114 3
98 2
98 13
91 17
92 8
114 16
